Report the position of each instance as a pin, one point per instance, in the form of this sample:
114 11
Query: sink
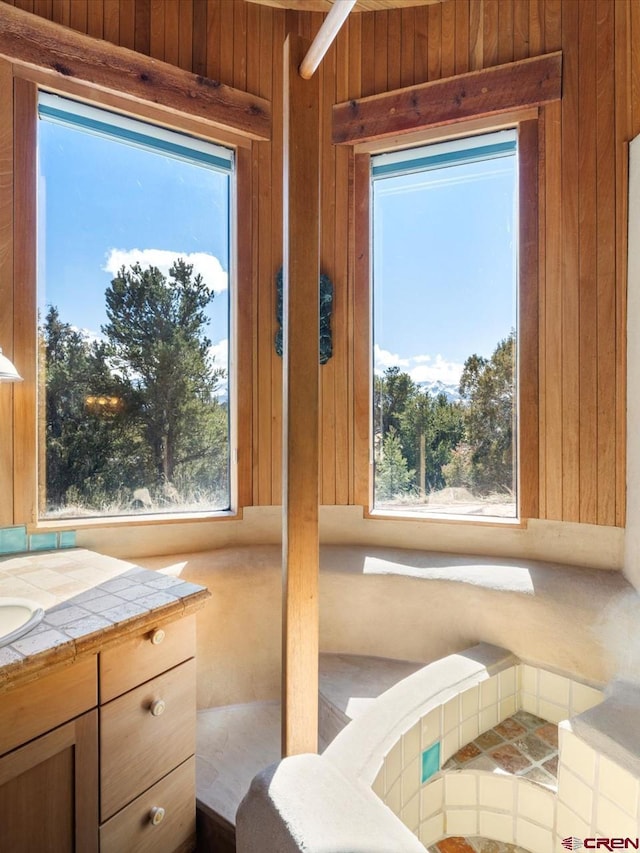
17 617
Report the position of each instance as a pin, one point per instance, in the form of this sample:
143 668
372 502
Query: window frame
142 126
525 122
21 76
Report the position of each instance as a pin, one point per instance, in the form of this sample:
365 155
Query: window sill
445 518
135 520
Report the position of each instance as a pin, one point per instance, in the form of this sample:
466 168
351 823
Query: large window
445 284
134 316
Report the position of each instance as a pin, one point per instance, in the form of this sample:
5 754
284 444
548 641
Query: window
133 316
445 231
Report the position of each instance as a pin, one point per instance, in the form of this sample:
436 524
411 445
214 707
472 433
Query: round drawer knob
156 815
157 636
158 707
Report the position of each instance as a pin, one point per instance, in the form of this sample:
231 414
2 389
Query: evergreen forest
132 420
426 444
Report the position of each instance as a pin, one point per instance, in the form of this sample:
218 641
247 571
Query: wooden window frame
446 109
37 54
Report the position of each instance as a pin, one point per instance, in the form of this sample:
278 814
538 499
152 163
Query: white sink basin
17 616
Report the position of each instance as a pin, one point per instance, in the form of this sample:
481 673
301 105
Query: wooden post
301 174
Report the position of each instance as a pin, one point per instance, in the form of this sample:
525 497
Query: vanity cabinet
99 757
147 741
49 763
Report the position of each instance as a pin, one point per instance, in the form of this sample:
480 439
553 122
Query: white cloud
207 265
448 372
383 359
220 354
421 368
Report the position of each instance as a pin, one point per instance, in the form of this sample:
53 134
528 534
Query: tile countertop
90 601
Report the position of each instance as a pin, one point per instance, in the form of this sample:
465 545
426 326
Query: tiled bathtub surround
597 796
500 806
524 745
480 792
475 844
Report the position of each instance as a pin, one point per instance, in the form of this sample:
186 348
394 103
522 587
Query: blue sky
443 248
444 266
103 203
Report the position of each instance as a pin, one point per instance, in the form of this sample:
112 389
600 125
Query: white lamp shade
8 373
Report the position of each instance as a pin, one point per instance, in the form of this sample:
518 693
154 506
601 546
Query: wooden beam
528 322
6 288
324 37
31 41
25 340
301 176
527 83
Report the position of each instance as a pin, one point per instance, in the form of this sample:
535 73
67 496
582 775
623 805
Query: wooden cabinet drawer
46 703
133 827
151 652
141 741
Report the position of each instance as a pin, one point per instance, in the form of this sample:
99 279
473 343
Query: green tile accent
13 539
430 761
67 539
43 541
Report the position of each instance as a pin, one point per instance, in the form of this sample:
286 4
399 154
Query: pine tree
487 386
393 477
157 332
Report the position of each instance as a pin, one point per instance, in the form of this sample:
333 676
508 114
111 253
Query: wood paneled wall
583 198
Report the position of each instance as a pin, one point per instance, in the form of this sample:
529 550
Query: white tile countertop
90 601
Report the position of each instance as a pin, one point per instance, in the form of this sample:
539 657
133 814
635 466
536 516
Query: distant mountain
436 387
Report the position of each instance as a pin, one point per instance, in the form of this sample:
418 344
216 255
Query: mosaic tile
156 599
187 588
100 603
524 752
482 762
13 539
134 592
61 616
510 758
528 720
541 777
430 762
43 541
552 765
510 728
533 747
488 739
484 845
33 642
87 625
549 734
454 845
116 584
125 610
137 575
67 539
467 753
9 655
46 579
164 582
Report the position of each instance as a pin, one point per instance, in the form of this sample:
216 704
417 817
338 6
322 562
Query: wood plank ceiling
361 5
